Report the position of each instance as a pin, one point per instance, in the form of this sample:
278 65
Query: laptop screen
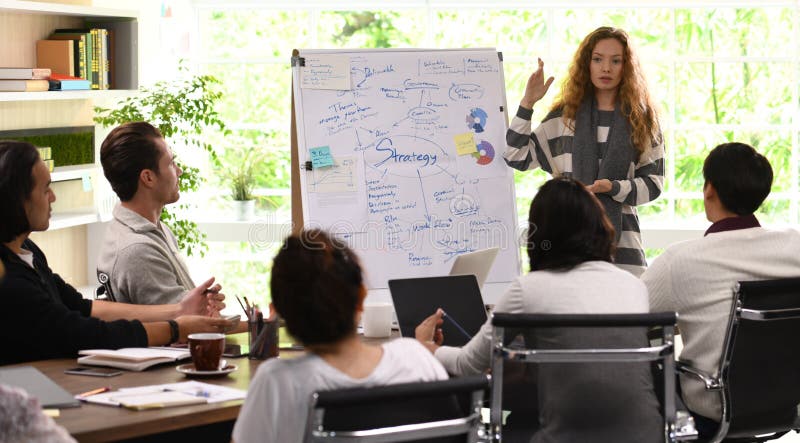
477 263
417 298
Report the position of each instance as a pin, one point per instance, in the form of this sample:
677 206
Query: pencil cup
263 338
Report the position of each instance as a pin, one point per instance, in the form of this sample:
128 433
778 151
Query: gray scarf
616 162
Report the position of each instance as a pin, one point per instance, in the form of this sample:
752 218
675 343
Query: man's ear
362 294
709 192
147 177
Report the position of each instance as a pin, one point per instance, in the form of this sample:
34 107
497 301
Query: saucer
189 370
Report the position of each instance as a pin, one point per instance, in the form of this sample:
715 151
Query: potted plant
242 181
183 110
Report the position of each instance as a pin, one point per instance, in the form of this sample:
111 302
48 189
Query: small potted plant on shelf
241 182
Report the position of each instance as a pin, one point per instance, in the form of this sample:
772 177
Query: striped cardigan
541 148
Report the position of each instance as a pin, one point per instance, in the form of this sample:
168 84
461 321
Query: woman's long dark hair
567 226
17 160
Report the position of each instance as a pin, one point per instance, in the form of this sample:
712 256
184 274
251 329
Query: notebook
50 395
459 295
477 263
132 359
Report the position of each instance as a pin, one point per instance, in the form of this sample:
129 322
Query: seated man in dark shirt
43 316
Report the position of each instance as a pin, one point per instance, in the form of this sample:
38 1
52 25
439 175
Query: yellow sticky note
465 143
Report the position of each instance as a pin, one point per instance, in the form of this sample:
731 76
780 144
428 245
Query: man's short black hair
17 160
741 176
127 150
567 226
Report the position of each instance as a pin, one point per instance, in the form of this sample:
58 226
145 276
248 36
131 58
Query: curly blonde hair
633 96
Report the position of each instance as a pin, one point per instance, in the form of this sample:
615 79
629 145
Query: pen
242 305
93 392
455 323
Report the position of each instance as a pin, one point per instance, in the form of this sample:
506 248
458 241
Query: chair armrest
712 383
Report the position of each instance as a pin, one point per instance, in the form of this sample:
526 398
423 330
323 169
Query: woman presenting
602 130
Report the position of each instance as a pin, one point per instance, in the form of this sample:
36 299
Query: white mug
377 320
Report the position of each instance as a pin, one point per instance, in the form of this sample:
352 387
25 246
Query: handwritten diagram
401 193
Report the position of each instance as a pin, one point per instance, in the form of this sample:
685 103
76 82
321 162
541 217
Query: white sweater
594 287
278 397
696 279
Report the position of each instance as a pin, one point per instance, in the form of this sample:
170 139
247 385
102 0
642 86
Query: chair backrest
438 411
104 291
760 367
593 379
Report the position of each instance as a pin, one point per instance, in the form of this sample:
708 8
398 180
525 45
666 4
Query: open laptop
459 295
477 263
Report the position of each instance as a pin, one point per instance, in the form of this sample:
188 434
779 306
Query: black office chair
593 379
440 411
759 380
103 292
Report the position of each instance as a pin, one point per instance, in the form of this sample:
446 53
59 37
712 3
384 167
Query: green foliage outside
717 73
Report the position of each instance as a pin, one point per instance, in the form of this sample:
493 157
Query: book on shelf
45 152
105 66
68 83
132 359
57 55
79 46
24 85
85 35
24 73
51 164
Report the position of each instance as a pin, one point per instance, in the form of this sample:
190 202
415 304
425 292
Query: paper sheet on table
210 393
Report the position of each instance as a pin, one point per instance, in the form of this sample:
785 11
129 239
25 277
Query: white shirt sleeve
476 356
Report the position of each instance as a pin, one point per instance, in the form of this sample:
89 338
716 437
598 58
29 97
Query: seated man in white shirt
696 278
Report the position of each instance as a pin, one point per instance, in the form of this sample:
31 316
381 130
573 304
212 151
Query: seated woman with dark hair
570 246
44 317
317 287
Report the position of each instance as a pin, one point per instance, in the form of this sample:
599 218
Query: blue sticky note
321 157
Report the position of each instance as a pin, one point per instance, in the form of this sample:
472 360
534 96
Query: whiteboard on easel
400 155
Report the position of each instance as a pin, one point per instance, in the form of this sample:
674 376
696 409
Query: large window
720 71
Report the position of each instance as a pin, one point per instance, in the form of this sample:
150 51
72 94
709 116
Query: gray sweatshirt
142 261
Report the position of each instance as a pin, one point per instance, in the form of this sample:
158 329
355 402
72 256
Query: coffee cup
206 350
377 320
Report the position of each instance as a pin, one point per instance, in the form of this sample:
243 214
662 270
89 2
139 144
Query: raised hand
536 87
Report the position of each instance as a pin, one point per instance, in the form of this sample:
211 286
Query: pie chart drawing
476 120
485 153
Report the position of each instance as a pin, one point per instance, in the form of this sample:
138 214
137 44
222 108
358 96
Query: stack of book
47 156
84 53
24 79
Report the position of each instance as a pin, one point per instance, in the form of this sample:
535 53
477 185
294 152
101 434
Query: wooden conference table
97 423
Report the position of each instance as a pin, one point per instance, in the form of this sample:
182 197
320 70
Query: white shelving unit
62 95
22 23
73 218
64 173
61 9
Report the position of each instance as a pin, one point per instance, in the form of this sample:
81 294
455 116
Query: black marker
455 323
